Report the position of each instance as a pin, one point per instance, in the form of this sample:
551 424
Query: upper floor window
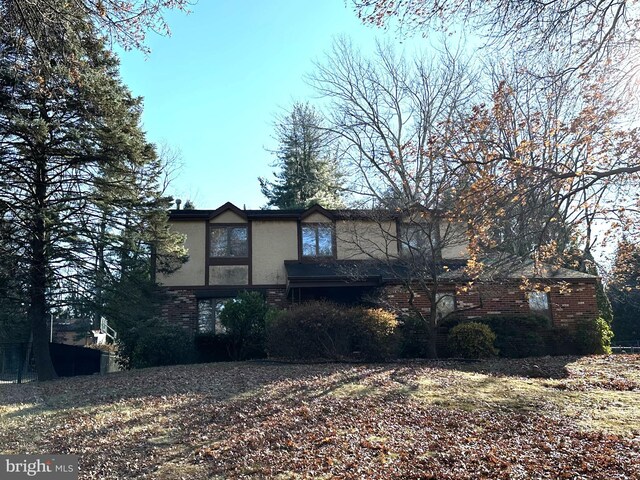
317 240
415 239
229 241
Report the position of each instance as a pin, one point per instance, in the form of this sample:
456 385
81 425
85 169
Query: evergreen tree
624 289
77 173
308 171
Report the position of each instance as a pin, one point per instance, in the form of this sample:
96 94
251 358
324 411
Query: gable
316 217
228 216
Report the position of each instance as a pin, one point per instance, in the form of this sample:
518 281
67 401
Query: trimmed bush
324 330
374 333
517 336
162 345
593 337
311 330
414 338
213 348
472 340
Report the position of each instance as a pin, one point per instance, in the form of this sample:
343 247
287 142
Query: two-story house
347 256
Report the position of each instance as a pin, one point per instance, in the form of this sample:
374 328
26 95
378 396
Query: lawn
562 417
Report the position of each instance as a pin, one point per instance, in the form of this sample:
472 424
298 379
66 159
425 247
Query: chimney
178 202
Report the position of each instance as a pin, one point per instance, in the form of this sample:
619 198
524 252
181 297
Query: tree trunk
432 350
38 279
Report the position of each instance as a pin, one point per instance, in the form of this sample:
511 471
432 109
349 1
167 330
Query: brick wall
181 308
568 303
277 297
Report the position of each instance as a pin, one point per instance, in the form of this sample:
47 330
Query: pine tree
308 171
75 172
624 289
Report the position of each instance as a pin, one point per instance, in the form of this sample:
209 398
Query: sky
213 88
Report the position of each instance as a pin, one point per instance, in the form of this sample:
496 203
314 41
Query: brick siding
568 304
181 308
277 297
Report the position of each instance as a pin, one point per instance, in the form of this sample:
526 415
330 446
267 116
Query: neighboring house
292 256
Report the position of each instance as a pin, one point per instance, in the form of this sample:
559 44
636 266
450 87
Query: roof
292 214
512 267
373 273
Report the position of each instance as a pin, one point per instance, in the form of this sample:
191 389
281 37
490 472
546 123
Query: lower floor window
445 304
209 311
539 303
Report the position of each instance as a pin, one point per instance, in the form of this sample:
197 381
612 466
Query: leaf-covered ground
520 419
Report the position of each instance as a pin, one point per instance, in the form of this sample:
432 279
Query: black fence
69 360
17 363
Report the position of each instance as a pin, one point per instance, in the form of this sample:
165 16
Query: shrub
213 348
414 338
593 337
311 330
244 319
162 345
316 330
472 340
562 341
374 333
517 336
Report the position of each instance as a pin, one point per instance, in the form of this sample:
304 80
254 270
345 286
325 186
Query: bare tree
397 121
592 33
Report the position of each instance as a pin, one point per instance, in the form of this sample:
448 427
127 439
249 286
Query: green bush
213 348
162 345
593 337
472 340
374 333
562 341
324 330
517 336
414 338
244 320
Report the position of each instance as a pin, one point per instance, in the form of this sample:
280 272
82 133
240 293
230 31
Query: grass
561 417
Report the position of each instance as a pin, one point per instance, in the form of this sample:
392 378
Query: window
209 315
229 242
415 240
539 303
317 240
445 304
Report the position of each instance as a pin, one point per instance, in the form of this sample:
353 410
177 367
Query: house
348 256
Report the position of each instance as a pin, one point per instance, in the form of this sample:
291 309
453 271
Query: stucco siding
316 218
272 243
362 239
455 240
228 217
192 272
228 275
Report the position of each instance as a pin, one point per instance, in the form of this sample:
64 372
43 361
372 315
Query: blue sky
213 88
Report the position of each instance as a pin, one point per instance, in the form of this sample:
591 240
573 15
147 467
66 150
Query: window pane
218 242
325 241
446 304
205 316
539 302
239 244
308 241
218 308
